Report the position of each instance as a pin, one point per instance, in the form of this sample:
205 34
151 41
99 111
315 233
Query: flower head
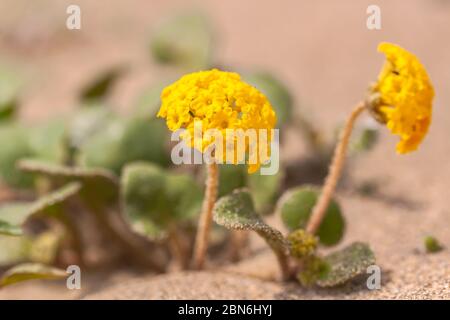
402 97
217 100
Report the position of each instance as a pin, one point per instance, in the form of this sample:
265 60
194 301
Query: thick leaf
295 207
88 120
98 185
264 189
184 196
277 93
347 264
15 145
236 211
14 250
100 86
51 203
10 85
432 245
122 142
9 229
364 137
185 41
44 247
231 177
148 104
143 199
48 141
14 215
31 271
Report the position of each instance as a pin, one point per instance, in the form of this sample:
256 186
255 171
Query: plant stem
178 247
283 262
334 173
201 240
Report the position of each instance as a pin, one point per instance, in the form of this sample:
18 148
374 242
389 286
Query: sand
327 57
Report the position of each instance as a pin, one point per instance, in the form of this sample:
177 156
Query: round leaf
295 207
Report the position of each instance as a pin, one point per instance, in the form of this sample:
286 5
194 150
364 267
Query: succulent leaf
347 264
31 271
236 211
295 207
185 40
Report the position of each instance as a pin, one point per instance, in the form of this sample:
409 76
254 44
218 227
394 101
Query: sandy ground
326 55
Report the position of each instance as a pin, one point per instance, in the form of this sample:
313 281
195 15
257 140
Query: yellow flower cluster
218 100
405 97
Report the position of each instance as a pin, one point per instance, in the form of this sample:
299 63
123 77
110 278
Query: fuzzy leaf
14 250
143 198
10 85
295 207
347 264
98 185
14 215
15 145
88 120
236 211
101 85
31 271
48 141
277 93
148 104
231 177
121 142
432 245
9 229
184 196
264 190
185 40
364 138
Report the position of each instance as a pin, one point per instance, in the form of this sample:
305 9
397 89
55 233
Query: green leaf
15 145
50 204
231 177
9 229
313 269
236 211
97 185
99 87
265 189
148 103
185 40
44 247
10 85
364 138
122 142
14 249
347 264
277 93
432 245
184 196
143 199
48 141
88 120
295 207
13 215
31 271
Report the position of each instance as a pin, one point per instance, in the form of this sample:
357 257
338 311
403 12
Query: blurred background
320 50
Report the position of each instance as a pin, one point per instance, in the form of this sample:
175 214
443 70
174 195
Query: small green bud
314 268
302 244
432 245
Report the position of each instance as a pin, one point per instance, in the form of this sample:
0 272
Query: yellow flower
404 96
218 100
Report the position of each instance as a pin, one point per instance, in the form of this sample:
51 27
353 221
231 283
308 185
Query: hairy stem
204 226
334 173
